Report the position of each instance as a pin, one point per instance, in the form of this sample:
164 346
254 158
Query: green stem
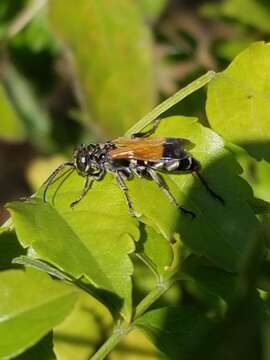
120 332
174 99
109 345
152 297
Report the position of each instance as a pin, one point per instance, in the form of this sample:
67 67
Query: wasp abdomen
173 148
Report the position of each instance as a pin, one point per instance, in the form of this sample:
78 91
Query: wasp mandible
140 155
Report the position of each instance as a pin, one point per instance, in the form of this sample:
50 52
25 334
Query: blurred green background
84 71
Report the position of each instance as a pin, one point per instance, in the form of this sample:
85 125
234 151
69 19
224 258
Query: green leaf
237 103
43 350
11 127
213 280
219 232
155 250
112 49
91 241
31 304
178 332
256 173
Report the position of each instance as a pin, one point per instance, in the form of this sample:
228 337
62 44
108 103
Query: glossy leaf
31 304
92 240
178 332
237 104
220 232
112 49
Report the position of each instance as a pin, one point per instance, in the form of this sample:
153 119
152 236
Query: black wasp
136 156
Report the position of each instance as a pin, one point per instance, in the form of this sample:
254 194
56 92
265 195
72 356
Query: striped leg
87 185
122 185
160 182
207 187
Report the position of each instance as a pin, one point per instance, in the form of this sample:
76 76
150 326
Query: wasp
141 156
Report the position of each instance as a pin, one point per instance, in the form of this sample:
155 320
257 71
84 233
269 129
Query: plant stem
154 295
110 344
171 101
120 332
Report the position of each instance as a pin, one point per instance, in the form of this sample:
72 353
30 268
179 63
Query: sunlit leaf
31 304
112 50
92 240
155 250
237 104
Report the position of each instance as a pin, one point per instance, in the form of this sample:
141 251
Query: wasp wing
149 149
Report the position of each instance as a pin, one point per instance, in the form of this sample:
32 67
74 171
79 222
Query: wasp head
85 161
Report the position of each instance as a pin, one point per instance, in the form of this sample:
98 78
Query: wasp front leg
163 186
87 185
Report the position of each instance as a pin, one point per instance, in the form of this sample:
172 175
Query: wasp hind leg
87 185
149 132
123 187
207 187
163 186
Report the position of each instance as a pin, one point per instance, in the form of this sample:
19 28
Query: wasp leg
122 185
161 183
205 184
50 179
148 132
87 185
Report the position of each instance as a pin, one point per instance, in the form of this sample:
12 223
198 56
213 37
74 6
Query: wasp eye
81 163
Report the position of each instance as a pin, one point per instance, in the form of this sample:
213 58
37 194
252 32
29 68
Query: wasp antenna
50 179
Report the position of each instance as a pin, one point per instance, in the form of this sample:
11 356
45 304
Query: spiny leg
205 184
87 185
161 183
122 185
50 179
148 132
